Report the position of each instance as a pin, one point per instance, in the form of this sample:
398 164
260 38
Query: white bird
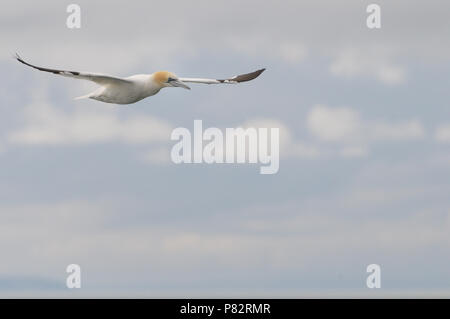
136 87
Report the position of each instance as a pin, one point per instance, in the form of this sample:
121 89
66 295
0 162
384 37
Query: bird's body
136 87
139 87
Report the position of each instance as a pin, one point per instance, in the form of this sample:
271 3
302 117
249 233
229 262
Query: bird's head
168 79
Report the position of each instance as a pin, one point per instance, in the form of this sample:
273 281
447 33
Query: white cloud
290 51
442 133
391 74
289 146
372 62
408 130
46 125
345 125
333 124
293 52
342 127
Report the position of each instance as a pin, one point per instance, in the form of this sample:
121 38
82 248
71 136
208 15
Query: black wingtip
260 71
18 58
248 76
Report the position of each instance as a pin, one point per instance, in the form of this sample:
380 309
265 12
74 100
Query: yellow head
168 79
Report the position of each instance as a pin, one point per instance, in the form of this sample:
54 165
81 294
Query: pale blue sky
365 158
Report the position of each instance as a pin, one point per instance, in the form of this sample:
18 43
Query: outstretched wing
234 79
101 79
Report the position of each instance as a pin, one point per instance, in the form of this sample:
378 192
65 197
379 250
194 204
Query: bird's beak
180 84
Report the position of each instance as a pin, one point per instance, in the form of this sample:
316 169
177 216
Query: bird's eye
170 80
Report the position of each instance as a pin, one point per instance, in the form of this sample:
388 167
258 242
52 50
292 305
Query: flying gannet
136 87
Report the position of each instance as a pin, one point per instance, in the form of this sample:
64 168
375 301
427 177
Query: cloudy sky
364 172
